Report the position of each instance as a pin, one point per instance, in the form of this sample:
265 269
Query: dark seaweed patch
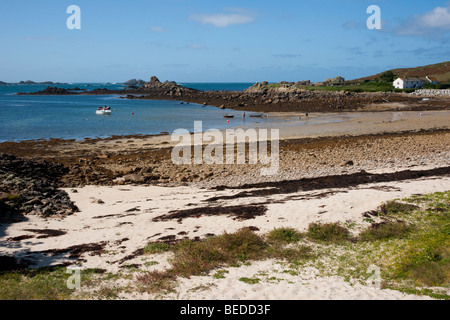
46 233
240 212
77 250
265 189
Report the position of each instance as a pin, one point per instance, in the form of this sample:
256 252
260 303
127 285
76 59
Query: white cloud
438 18
222 20
434 22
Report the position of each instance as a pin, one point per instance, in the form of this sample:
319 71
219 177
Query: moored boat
227 115
103 110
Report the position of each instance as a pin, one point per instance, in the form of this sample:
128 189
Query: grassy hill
440 71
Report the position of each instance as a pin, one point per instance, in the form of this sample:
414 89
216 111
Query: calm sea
74 117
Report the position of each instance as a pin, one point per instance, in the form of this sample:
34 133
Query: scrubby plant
384 230
328 232
284 235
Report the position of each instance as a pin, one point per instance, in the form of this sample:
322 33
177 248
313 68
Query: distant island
29 82
131 82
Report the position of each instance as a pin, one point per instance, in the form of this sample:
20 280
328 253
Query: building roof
410 79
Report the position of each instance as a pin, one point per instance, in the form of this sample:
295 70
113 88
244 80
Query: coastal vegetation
366 86
408 239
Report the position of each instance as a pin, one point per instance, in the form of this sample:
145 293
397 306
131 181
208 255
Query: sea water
24 117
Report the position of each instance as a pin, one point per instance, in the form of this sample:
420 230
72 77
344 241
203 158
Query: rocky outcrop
303 83
31 187
49 91
28 82
170 88
334 81
134 82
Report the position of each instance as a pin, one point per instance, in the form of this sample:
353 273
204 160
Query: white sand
110 222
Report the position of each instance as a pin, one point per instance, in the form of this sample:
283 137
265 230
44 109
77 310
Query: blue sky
217 41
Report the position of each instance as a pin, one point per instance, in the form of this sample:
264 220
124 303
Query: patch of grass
194 257
156 247
292 255
284 235
39 284
384 230
426 260
253 280
328 232
411 246
395 208
220 274
108 292
157 281
230 249
150 263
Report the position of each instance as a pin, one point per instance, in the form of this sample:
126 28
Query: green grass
370 86
220 274
156 247
230 249
328 232
384 230
411 245
195 258
39 284
395 207
284 235
253 280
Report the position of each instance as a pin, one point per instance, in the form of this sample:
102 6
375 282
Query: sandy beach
124 221
330 172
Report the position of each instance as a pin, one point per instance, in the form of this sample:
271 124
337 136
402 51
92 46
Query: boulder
134 178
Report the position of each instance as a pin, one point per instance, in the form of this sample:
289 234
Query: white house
411 83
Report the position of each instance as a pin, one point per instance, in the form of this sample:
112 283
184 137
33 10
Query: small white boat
103 110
